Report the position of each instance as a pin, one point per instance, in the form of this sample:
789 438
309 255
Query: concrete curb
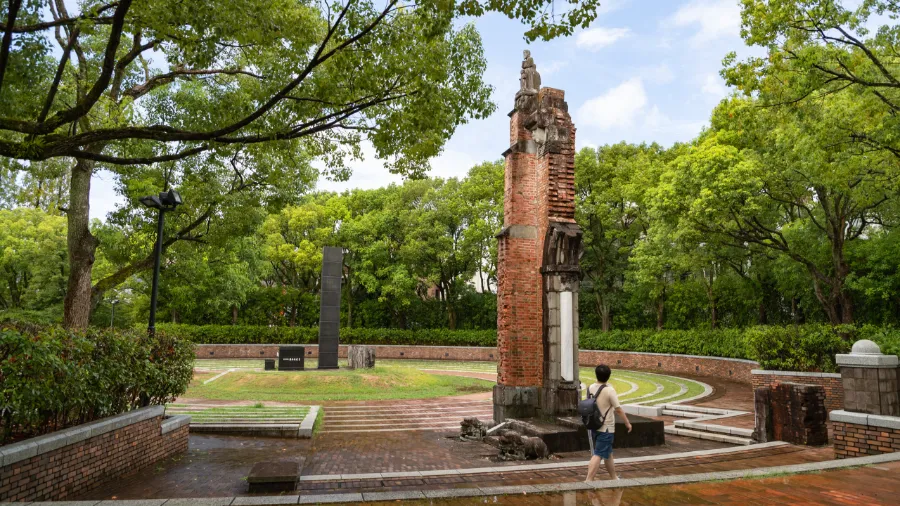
306 426
492 491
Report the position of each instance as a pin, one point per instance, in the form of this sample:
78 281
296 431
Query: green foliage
32 258
238 334
52 378
798 348
727 343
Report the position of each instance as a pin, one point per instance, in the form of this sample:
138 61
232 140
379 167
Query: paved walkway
871 485
748 458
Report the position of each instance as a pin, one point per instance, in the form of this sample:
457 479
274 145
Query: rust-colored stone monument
538 270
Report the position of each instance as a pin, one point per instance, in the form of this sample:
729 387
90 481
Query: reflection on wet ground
867 485
214 466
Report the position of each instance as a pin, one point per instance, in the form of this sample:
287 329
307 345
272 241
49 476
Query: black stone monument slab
270 364
290 358
330 308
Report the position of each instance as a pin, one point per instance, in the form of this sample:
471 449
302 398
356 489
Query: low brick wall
859 434
728 368
66 463
831 382
381 351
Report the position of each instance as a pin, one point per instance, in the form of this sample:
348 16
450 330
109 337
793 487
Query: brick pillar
537 266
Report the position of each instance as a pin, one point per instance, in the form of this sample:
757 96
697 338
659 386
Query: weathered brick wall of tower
537 260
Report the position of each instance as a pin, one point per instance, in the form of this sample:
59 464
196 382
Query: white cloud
552 67
594 39
619 107
659 74
607 6
716 19
714 86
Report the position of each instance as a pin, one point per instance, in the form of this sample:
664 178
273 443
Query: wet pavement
217 466
214 466
866 485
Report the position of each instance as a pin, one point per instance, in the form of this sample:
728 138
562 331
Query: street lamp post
166 201
112 318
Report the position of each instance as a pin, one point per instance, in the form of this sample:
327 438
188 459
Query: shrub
52 378
888 338
249 334
716 343
799 348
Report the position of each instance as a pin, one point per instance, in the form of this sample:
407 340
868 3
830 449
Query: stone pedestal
360 357
870 380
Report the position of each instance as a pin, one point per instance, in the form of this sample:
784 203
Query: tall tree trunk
234 314
660 313
81 245
605 314
763 314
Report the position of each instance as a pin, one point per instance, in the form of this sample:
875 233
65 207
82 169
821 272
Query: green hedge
52 378
792 348
238 334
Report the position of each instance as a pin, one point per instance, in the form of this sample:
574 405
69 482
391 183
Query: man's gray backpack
590 412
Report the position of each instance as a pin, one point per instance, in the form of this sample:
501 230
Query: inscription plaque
290 358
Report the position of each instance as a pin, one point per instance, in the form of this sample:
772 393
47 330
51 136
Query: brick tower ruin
538 271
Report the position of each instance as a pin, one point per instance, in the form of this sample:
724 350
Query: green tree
612 182
290 75
781 179
32 258
293 242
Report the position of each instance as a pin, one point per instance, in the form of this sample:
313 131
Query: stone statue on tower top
530 80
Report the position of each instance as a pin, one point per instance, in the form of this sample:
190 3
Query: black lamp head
151 201
171 198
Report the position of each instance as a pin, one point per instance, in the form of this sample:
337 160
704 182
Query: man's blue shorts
603 443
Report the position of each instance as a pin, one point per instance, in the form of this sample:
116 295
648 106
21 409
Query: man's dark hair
603 372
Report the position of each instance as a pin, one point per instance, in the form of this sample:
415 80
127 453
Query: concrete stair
696 428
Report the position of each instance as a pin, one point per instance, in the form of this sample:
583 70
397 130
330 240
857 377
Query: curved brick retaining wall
728 368
66 463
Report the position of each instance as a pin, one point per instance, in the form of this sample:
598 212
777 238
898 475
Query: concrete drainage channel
278 421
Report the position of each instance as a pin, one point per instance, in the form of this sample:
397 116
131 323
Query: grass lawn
302 386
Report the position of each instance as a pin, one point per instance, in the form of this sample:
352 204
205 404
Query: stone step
404 415
709 427
682 414
710 436
700 409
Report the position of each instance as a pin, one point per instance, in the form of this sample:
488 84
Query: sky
644 71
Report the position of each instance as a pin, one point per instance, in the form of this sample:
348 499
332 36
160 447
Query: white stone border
22 450
306 426
764 372
174 422
887 422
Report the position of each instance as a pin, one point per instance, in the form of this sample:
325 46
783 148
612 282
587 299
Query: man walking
608 403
